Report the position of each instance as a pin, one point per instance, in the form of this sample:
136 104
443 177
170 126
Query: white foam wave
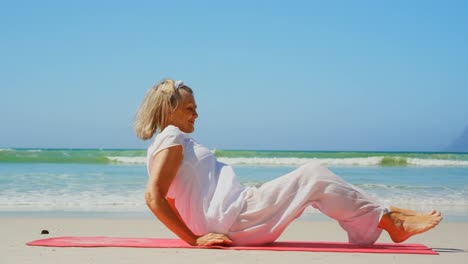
368 161
82 201
128 160
34 150
300 161
436 162
133 201
6 149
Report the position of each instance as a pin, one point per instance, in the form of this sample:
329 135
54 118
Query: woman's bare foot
402 225
409 212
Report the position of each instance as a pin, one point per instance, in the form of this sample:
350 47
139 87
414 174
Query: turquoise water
241 157
112 181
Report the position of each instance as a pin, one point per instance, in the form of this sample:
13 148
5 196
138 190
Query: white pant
271 207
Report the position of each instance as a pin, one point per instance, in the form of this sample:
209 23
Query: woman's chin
189 129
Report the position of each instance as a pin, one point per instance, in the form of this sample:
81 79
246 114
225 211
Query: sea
111 182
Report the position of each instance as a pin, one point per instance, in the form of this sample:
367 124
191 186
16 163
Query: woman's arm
164 168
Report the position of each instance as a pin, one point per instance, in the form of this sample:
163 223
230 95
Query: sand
449 238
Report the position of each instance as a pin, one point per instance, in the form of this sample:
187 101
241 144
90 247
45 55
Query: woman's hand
213 239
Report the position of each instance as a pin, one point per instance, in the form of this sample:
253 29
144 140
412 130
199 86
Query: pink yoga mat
100 241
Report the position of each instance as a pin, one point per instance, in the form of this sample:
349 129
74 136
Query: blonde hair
159 102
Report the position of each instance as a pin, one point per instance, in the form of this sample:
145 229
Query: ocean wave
369 161
6 149
103 202
437 162
393 194
382 186
248 158
300 161
66 199
128 160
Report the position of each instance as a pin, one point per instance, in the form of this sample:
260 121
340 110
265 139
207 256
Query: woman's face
185 114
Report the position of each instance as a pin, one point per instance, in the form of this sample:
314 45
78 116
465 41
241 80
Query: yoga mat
100 241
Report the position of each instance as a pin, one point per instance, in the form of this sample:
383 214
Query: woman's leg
272 206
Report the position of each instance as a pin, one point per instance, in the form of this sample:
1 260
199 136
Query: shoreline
147 215
447 239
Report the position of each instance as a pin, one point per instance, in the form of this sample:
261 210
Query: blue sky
292 75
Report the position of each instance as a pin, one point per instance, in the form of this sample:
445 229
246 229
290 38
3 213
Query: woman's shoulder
170 136
171 133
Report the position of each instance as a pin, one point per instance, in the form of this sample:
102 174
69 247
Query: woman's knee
313 164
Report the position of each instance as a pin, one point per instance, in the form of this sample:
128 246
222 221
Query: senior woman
202 202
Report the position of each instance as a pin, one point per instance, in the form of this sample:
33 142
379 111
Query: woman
201 201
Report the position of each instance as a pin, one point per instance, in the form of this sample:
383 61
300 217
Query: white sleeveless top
207 194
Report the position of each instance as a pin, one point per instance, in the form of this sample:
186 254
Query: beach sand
450 239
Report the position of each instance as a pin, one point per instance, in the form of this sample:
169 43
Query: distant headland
460 144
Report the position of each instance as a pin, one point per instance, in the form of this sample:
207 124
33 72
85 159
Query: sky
267 75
